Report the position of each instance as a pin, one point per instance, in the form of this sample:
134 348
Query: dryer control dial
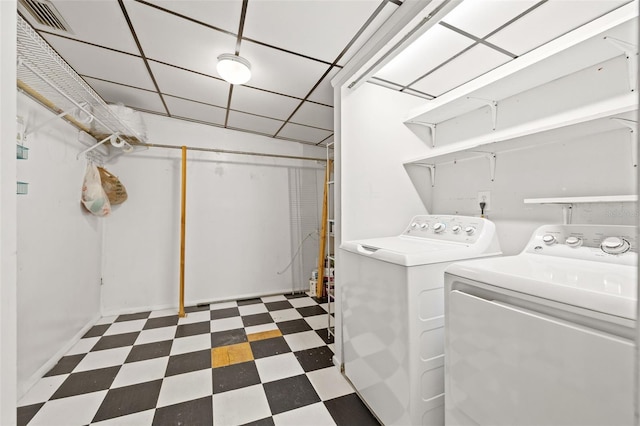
439 227
614 245
574 242
456 229
470 230
414 225
549 239
424 226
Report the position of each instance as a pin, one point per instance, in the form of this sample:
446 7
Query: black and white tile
260 361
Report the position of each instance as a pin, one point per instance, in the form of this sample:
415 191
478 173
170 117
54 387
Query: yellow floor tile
232 354
264 335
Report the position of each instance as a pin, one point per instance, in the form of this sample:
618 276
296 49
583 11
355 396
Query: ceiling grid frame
128 88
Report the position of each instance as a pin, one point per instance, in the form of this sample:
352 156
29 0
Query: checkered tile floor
263 361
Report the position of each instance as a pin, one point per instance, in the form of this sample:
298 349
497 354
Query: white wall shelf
568 202
565 55
584 200
576 123
45 76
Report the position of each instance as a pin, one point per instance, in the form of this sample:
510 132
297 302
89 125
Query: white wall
239 219
59 246
8 394
599 164
377 195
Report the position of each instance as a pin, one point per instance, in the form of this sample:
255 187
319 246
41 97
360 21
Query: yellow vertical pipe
323 232
183 222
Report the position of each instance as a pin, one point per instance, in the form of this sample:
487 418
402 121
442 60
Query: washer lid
601 287
411 251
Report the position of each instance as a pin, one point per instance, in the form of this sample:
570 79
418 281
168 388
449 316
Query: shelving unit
568 202
567 56
590 44
46 77
330 244
583 121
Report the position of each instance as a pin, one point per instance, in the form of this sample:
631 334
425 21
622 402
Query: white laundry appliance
544 337
393 313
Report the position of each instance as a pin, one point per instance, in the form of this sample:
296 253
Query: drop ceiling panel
223 14
195 111
259 102
190 85
303 133
133 98
471 64
303 26
549 21
375 24
253 123
432 48
168 38
315 115
281 72
84 17
480 18
102 63
324 92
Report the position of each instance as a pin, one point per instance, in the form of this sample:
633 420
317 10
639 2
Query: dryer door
510 366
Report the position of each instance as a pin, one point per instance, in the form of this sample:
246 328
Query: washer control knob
439 227
549 239
614 245
414 225
424 226
456 229
470 230
574 242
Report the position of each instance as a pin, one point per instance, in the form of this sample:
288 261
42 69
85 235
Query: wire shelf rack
46 77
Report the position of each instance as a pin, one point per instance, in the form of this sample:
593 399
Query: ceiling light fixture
233 68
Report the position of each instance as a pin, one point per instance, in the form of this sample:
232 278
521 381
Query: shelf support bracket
432 128
567 214
432 172
73 111
493 105
631 125
113 138
492 165
630 51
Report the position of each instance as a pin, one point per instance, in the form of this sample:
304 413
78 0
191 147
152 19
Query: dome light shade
233 68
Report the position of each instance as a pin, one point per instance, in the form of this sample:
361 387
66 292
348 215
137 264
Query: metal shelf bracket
431 126
75 112
493 105
631 125
492 165
432 172
631 52
114 139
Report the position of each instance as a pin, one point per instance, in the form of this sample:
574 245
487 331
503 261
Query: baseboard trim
134 310
23 388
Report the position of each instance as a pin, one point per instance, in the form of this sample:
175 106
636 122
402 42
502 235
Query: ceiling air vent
45 14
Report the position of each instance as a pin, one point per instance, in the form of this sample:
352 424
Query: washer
544 337
393 313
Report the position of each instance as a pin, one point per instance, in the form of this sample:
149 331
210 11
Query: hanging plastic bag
115 190
94 198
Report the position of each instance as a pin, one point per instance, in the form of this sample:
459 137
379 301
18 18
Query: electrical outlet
484 196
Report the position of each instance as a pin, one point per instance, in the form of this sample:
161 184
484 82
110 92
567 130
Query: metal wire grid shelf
45 76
